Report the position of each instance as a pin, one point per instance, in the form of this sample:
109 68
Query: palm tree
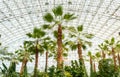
81 39
48 46
103 48
112 45
12 58
92 64
24 55
57 18
37 35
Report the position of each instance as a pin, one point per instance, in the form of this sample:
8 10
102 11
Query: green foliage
103 47
58 16
58 11
82 38
54 72
80 28
46 26
106 68
37 33
9 72
55 34
69 17
98 55
89 36
112 41
77 69
74 47
48 17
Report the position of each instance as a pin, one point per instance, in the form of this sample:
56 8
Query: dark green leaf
29 35
74 47
69 16
45 26
80 28
48 17
55 34
5 67
58 11
98 55
65 54
106 41
112 41
72 29
89 53
63 36
89 36
84 47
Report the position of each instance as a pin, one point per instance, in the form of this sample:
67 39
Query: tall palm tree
57 18
112 44
37 35
24 55
81 39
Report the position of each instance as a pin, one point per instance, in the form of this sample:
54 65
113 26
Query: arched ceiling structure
18 17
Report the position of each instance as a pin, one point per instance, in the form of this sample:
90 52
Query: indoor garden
59 38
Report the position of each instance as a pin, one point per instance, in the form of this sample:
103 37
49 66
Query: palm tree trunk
118 59
91 60
24 62
79 51
46 65
36 60
103 55
59 51
94 67
114 58
91 67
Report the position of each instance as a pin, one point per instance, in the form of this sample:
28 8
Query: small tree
37 35
112 44
92 59
104 49
24 55
48 46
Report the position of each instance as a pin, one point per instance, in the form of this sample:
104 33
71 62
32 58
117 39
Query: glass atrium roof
18 17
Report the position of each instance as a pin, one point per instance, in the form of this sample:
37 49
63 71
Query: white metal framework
18 17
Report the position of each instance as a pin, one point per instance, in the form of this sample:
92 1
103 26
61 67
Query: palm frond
74 47
80 28
84 47
37 33
98 55
72 29
55 34
69 17
89 36
46 26
58 11
29 35
48 17
89 53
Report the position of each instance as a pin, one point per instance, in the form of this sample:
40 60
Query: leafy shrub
77 69
106 68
